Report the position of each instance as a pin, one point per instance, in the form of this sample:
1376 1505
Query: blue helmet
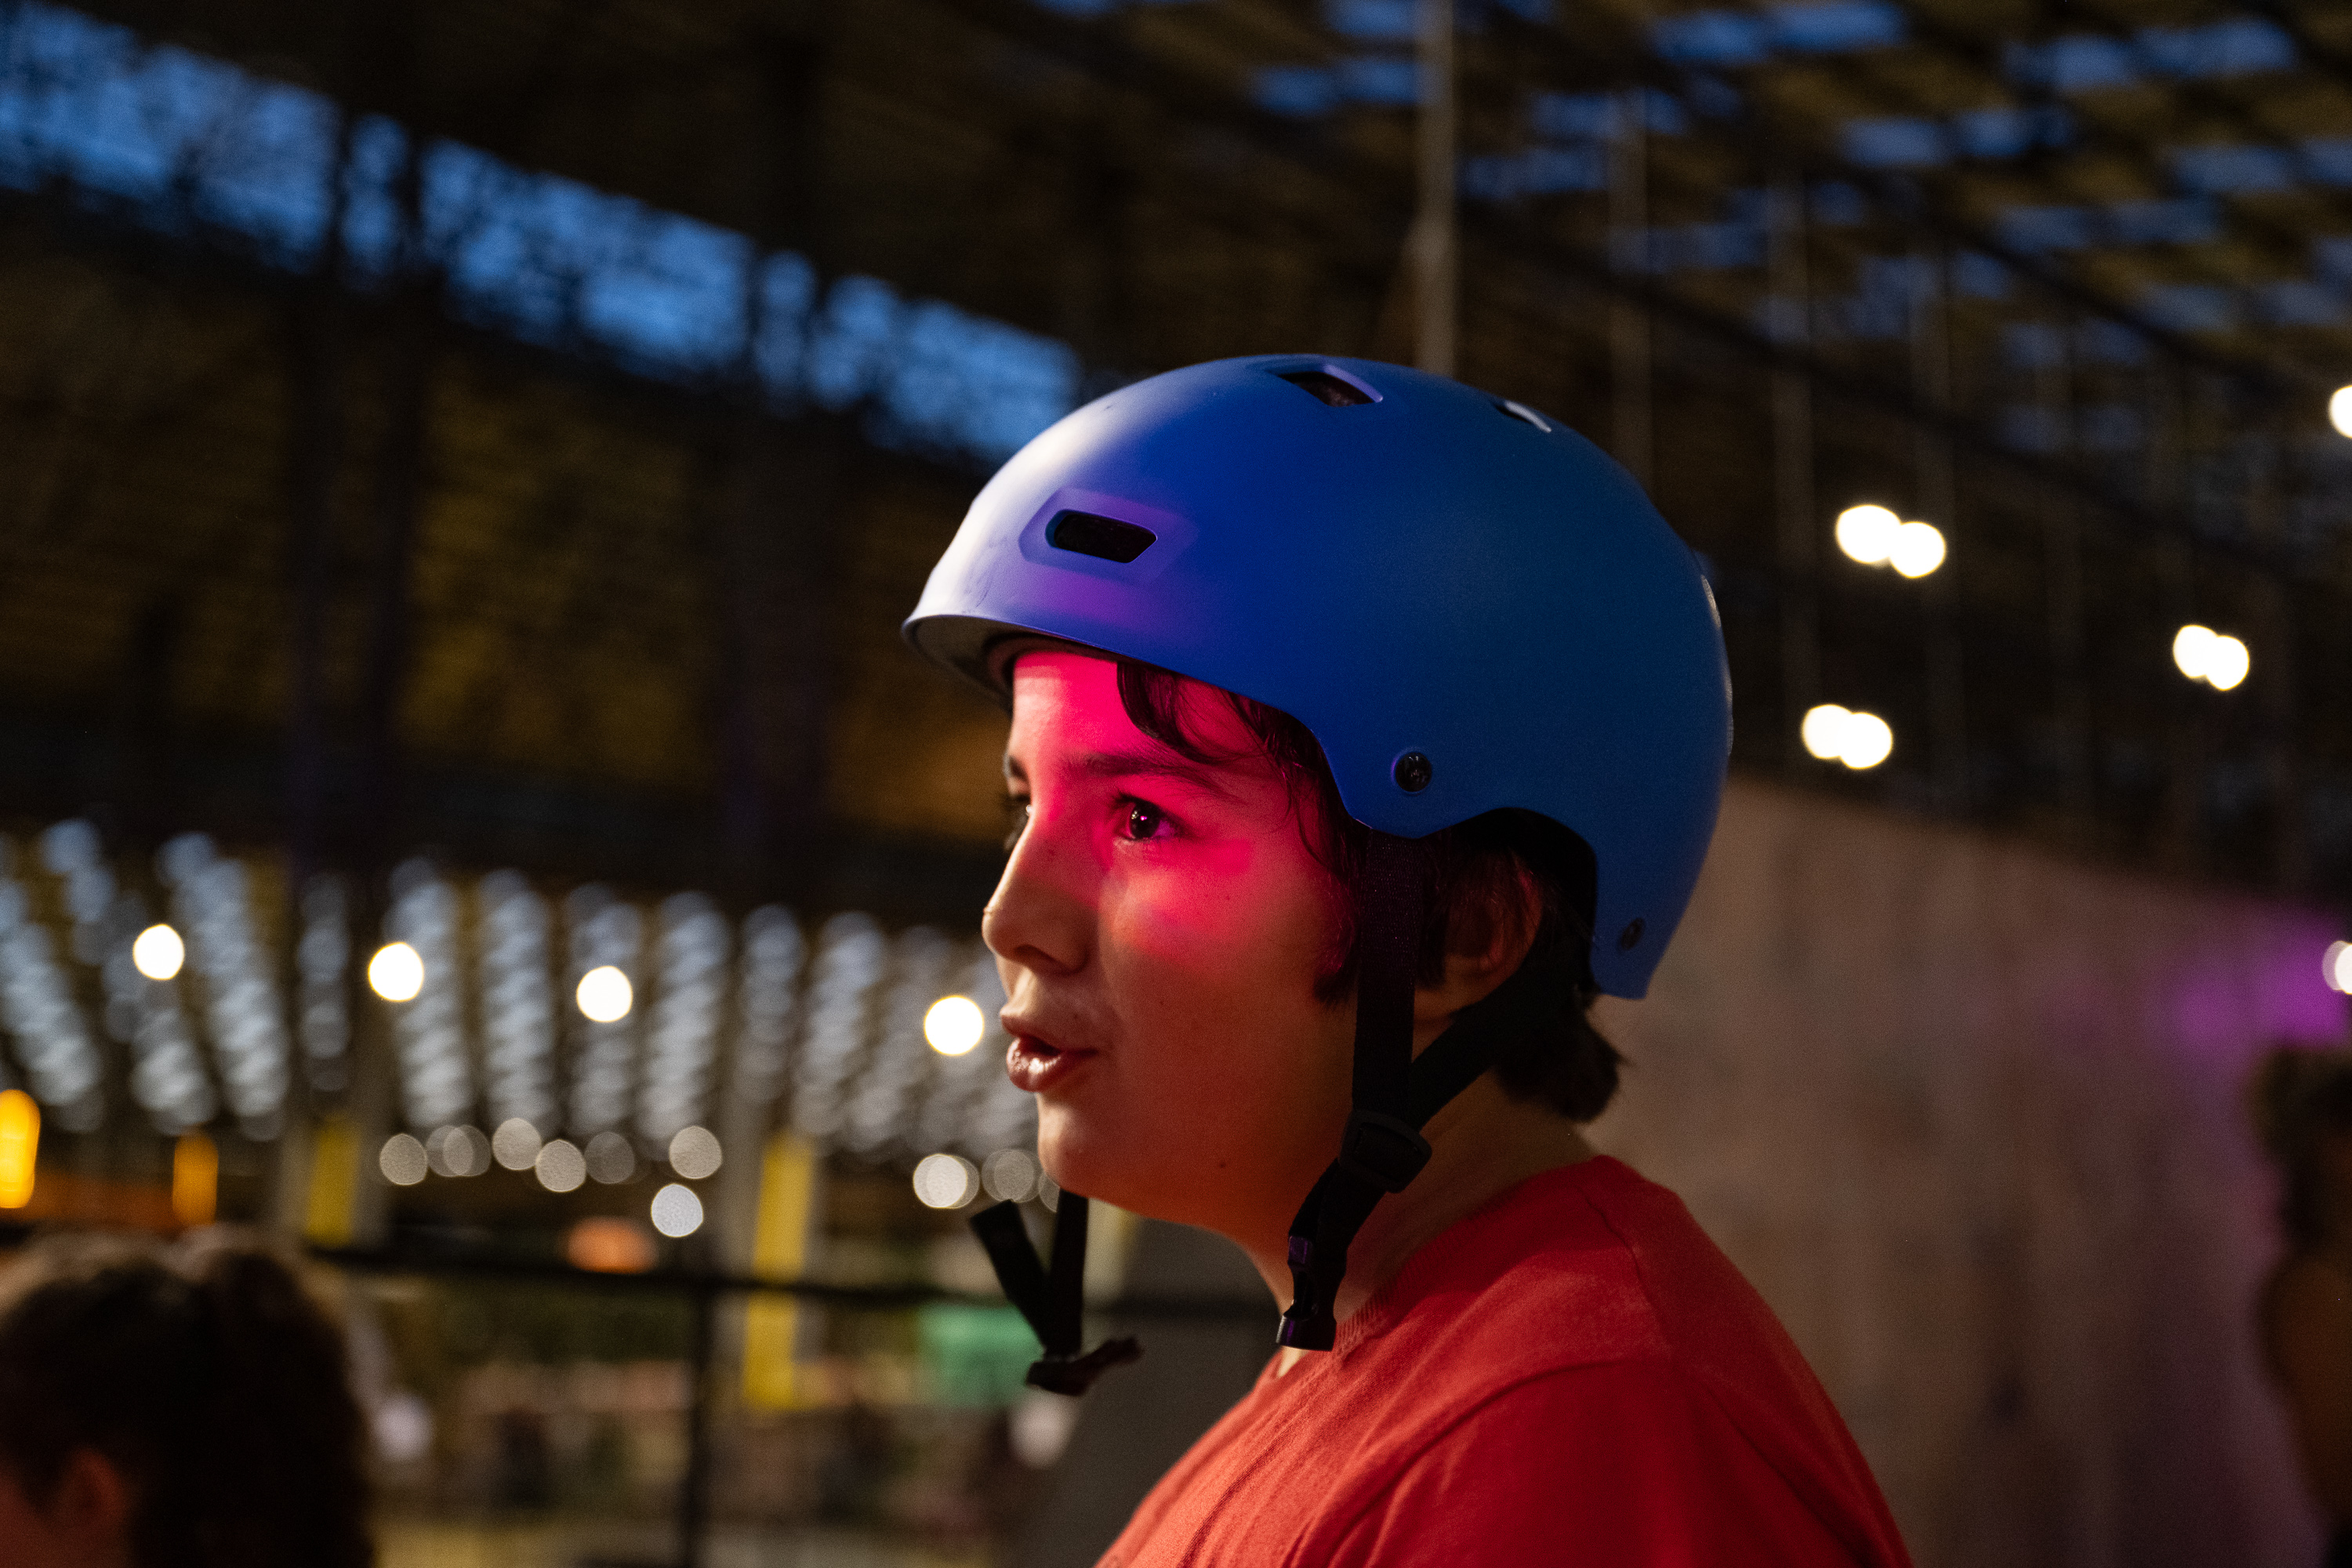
1469 605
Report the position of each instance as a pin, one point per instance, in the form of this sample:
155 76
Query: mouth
1036 1064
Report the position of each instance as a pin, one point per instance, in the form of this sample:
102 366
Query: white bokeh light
516 1143
2339 410
694 1152
677 1211
1858 739
1918 549
953 1026
2336 965
402 1161
158 953
1867 534
946 1181
561 1166
2221 661
604 995
396 972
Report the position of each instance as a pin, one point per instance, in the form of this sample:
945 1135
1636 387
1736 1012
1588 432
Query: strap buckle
1384 1150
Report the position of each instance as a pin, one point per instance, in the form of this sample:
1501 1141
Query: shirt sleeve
1620 1465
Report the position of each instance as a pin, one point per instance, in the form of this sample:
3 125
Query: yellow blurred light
2339 411
1824 730
396 972
196 1179
2228 663
158 953
1867 742
604 995
1917 550
20 1145
953 1026
2336 965
1867 534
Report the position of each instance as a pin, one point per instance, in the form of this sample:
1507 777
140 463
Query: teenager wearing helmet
1363 729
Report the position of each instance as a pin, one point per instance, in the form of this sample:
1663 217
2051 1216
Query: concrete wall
1972 1117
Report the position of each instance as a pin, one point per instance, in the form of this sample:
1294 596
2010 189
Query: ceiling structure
511 434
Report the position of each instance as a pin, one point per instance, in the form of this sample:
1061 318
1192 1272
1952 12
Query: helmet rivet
1412 771
1629 935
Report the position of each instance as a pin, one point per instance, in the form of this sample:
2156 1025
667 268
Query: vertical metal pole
1792 469
2062 534
1939 498
2182 835
1628 317
2270 631
694 1487
1435 233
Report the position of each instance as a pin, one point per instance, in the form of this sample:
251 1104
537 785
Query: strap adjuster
1384 1150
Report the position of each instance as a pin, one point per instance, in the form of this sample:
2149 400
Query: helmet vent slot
1104 538
1325 387
1522 413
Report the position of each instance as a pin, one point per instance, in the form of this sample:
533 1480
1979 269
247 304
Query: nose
1041 915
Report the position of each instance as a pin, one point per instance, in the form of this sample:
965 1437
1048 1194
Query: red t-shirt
1572 1375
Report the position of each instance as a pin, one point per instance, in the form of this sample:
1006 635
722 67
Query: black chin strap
1054 1304
1381 1151
1396 1093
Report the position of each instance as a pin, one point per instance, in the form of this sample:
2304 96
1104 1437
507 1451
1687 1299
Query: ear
1471 976
91 1506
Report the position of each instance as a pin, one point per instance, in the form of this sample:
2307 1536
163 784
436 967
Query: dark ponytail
208 1377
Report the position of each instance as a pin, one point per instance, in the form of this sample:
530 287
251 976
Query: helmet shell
1429 571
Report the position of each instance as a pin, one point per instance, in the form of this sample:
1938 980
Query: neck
1480 1144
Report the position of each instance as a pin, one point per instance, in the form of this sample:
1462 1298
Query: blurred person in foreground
2304 1109
181 1406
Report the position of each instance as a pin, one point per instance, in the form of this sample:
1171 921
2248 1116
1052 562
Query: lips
1036 1065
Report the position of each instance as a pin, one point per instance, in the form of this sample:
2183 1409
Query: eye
1016 820
1145 820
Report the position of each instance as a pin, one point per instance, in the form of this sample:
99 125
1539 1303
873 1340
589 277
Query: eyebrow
1150 764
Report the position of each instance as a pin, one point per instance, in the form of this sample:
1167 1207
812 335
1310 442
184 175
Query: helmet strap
1053 1303
1396 1093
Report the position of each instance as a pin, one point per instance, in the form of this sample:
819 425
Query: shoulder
1631 1462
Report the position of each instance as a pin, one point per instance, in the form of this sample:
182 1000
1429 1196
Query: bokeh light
396 972
611 1158
158 953
608 1244
458 1151
2336 965
953 1026
515 1144
694 1152
2221 661
20 1147
1010 1175
402 1160
2339 410
1867 534
604 995
946 1181
561 1166
677 1211
1858 739
1918 549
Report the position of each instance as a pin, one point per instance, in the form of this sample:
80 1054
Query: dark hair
1473 870
2301 1098
208 1377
